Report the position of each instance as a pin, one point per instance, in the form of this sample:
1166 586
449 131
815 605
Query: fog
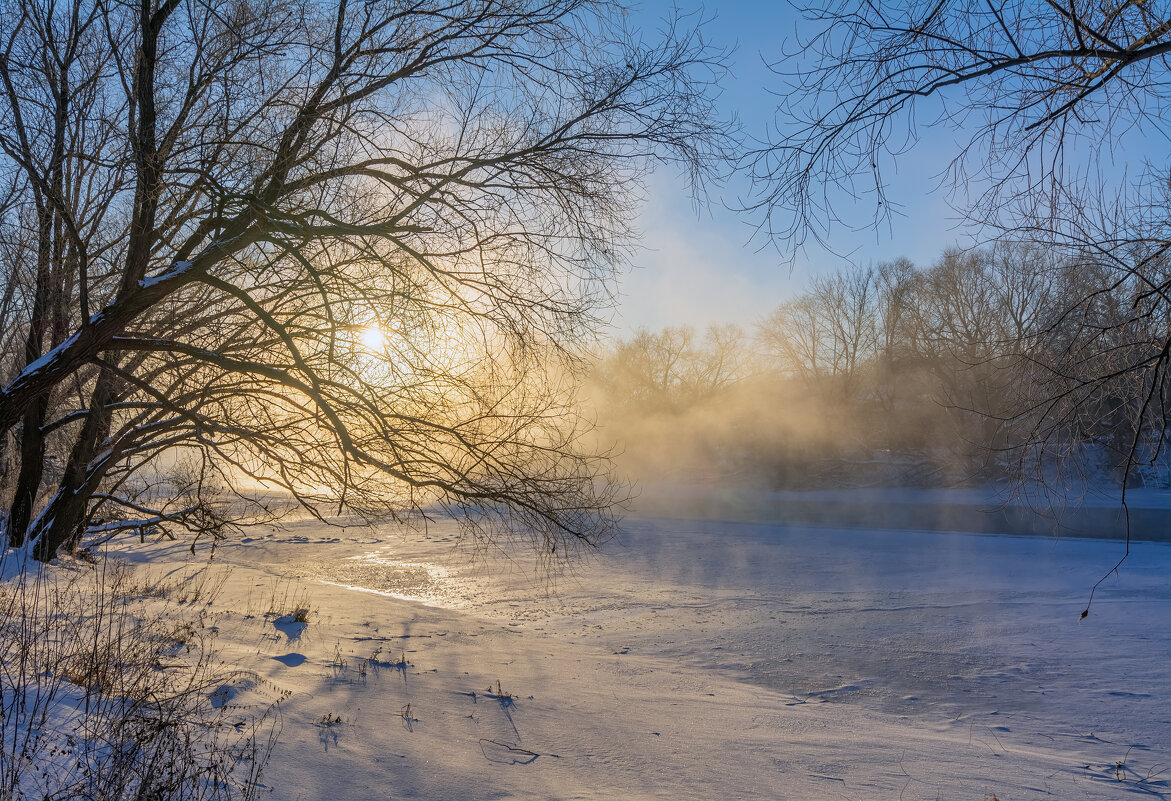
988 369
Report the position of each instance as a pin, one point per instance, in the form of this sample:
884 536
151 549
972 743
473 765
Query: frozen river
935 647
926 623
933 624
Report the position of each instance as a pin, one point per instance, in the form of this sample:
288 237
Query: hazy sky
702 269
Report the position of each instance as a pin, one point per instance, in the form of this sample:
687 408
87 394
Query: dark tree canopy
344 249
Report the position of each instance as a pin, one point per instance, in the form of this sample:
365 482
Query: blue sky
701 268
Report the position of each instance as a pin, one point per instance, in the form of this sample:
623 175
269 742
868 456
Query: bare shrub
110 689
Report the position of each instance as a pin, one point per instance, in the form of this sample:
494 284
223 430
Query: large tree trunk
32 439
63 520
49 312
32 466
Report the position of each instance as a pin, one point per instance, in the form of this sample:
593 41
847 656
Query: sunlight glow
373 338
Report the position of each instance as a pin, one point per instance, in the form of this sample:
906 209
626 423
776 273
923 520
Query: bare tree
343 249
1043 88
672 370
895 284
1095 372
829 334
650 369
792 337
723 360
1041 91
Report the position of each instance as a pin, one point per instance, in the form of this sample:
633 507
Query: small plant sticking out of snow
401 665
293 622
297 617
499 693
329 720
339 662
375 662
288 601
409 720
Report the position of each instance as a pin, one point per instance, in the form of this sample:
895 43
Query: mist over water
827 498
967 395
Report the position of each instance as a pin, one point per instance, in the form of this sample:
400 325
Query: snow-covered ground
706 660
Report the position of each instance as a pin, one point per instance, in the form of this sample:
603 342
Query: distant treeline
991 364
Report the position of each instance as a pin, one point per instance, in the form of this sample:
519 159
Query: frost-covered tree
327 247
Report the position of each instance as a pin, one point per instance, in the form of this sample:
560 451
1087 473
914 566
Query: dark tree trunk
32 439
65 517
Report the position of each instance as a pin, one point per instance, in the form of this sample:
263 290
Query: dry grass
108 680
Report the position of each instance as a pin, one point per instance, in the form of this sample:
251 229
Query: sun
373 338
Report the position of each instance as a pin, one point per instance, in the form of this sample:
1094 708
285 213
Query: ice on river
716 659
